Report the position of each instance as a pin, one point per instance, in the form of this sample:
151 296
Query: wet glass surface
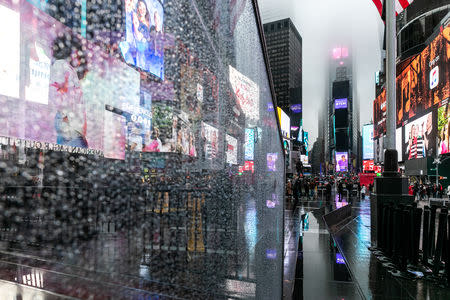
140 154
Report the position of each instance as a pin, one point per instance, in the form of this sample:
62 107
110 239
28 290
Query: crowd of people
427 190
311 188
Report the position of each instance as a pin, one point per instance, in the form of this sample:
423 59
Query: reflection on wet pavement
320 271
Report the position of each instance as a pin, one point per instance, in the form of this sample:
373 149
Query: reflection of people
444 139
192 151
135 138
66 72
342 163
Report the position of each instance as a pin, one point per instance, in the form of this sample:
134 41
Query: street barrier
400 234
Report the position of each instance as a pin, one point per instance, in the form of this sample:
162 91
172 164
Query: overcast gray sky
324 24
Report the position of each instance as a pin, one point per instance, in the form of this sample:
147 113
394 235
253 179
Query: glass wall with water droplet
140 153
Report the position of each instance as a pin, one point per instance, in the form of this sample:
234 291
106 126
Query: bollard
447 262
404 239
426 235
383 228
444 246
416 234
409 228
396 242
431 237
441 238
389 231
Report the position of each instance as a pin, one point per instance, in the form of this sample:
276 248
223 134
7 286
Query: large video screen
443 127
285 123
399 143
144 37
420 138
379 115
368 141
246 92
210 135
425 81
341 161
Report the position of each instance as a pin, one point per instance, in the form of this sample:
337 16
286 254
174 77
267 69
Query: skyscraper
284 47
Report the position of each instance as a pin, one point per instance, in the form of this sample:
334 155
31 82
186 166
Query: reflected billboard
341 161
231 149
285 123
144 36
246 92
272 161
368 141
249 145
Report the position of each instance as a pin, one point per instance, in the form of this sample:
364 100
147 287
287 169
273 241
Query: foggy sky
324 24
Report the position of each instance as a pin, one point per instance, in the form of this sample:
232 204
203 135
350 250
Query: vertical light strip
83 18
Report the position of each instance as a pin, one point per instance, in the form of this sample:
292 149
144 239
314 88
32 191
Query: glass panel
140 153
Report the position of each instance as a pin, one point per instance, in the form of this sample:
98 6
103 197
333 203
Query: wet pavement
341 266
314 268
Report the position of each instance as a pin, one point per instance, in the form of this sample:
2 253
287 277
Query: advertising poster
420 138
231 149
114 136
341 161
425 81
184 141
144 36
161 137
272 161
38 76
210 136
191 91
368 165
285 123
10 54
247 93
379 115
379 149
368 141
443 124
249 146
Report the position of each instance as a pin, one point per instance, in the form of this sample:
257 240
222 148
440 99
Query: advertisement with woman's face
420 138
341 161
144 43
443 129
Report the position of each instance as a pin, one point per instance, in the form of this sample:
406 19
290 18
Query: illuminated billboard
379 115
246 92
231 149
443 124
368 141
285 123
399 143
341 161
420 138
425 81
368 165
144 36
340 103
272 161
249 146
296 108
211 136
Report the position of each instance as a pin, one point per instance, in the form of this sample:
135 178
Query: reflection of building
284 47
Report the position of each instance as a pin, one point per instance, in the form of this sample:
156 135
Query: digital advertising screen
379 115
368 141
296 108
114 135
425 81
9 52
210 135
247 93
285 123
341 161
340 103
272 161
379 149
443 127
420 138
249 146
368 165
231 150
143 46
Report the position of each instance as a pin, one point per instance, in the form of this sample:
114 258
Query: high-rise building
341 131
284 47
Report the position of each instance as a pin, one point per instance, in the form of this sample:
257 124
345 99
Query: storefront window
139 154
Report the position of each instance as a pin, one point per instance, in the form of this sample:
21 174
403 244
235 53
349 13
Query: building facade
284 47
